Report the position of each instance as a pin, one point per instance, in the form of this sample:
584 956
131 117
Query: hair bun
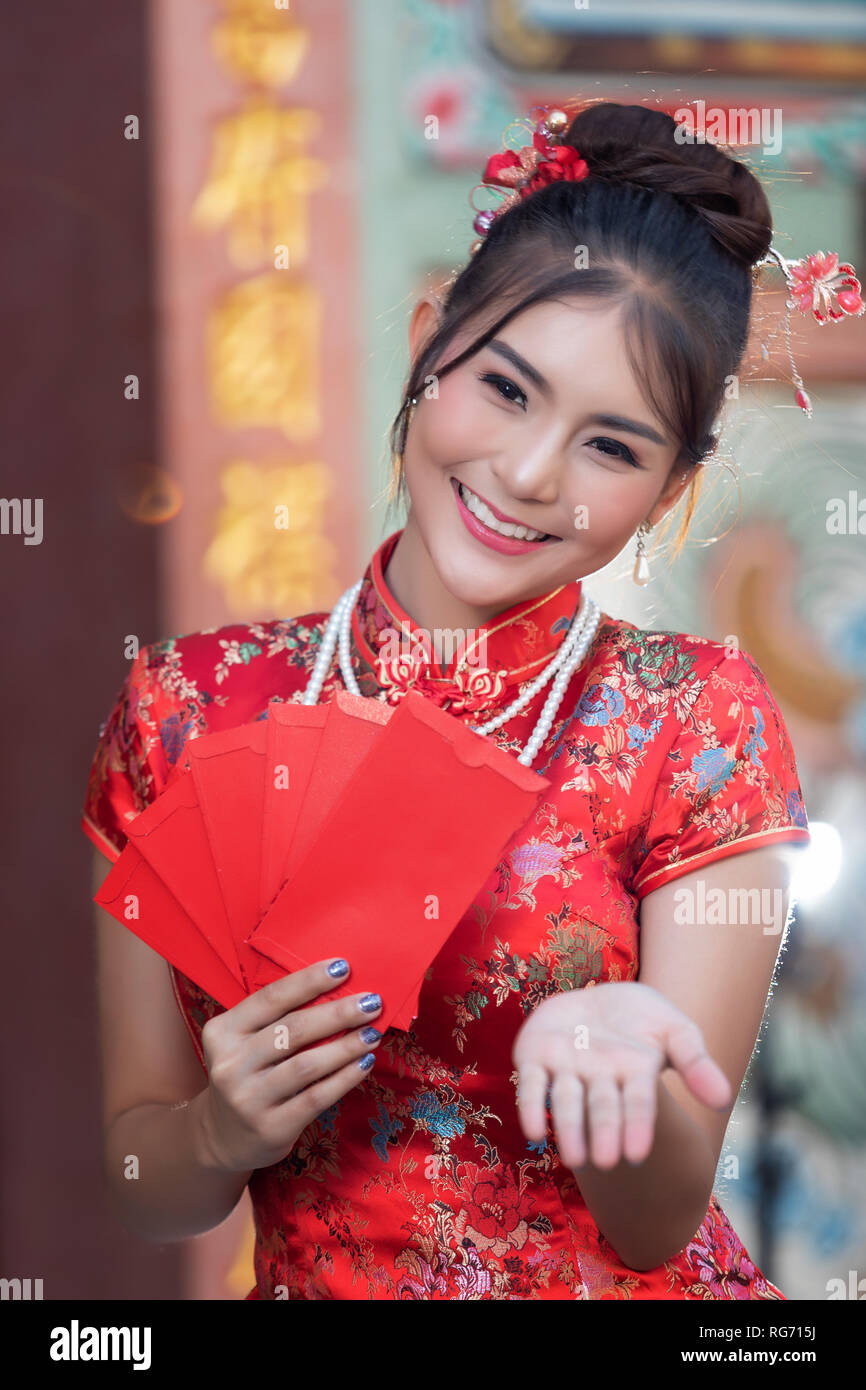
638 145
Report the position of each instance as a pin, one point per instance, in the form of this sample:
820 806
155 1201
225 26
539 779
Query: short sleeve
728 783
123 779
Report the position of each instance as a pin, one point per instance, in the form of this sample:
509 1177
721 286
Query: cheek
613 501
454 426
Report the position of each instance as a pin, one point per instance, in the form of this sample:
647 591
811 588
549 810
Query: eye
499 381
617 450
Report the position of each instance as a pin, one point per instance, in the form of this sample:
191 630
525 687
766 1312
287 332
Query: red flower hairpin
544 161
819 285
816 279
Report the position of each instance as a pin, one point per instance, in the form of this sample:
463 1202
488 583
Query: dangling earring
641 572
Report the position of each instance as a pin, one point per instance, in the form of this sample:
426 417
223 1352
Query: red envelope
333 747
293 733
137 898
224 834
408 1010
351 733
170 834
420 826
329 750
228 769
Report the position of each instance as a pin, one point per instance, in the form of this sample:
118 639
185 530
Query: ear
679 479
425 320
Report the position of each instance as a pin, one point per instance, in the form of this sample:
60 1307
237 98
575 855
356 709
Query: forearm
162 1181
649 1211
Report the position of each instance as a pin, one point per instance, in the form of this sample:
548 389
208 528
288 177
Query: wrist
205 1149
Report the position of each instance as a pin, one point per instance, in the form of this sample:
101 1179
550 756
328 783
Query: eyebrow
611 422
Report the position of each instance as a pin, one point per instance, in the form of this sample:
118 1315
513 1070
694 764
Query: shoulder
219 656
718 713
668 694
676 660
199 682
181 688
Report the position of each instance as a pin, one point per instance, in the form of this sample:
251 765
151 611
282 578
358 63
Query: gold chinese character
259 184
260 43
268 553
263 355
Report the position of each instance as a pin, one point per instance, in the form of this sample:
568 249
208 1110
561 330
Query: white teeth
504 528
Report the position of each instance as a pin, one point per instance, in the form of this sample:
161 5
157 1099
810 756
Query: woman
562 396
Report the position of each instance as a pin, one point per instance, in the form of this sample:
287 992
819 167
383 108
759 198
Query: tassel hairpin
819 285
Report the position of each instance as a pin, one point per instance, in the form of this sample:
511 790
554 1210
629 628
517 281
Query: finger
268 1004
640 1106
567 1100
686 1051
304 1027
531 1101
309 1067
604 1113
304 1106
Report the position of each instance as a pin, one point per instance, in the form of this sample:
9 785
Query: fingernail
369 1035
370 1003
338 968
366 1062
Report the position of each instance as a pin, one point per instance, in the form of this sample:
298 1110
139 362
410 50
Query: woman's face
547 426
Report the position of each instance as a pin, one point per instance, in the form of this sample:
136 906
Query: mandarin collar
511 648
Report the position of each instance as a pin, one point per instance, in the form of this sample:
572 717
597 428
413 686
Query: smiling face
547 427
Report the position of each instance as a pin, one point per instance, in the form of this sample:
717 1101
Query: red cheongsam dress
668 752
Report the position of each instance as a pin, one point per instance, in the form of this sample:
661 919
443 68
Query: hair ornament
819 285
546 159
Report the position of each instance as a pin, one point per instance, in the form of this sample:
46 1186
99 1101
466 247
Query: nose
530 470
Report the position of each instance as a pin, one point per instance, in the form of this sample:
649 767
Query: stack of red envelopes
348 829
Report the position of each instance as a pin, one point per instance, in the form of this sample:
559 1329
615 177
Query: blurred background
218 216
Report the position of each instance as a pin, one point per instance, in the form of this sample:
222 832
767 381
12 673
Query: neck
417 587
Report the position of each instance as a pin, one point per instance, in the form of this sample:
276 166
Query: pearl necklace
570 655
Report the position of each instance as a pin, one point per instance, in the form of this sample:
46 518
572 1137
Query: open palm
600 1051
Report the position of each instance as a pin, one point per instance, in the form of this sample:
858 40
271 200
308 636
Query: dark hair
671 229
